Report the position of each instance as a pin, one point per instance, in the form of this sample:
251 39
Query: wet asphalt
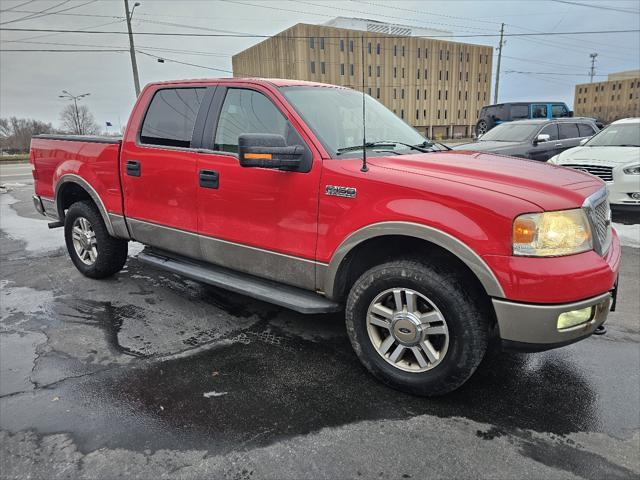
150 375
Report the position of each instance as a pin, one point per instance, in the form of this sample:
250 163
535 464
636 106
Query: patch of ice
34 233
213 394
629 234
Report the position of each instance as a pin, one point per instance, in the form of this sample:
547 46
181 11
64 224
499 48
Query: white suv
613 154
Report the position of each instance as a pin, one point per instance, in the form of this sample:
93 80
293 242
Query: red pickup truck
260 187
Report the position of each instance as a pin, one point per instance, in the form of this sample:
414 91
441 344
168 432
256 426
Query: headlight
632 170
550 234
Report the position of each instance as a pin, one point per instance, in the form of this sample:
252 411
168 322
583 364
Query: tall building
435 85
617 97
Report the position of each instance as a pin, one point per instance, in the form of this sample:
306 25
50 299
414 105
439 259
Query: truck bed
95 159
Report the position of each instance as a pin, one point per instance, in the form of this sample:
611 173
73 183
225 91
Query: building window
378 92
351 45
402 93
446 94
461 56
630 96
322 71
417 114
447 55
312 42
378 69
341 45
466 76
458 114
460 75
465 114
395 50
395 72
580 90
351 69
447 75
425 94
403 50
438 114
395 93
418 52
321 43
369 91
378 48
484 96
369 48
425 73
445 114
466 95
417 94
402 72
579 101
313 67
369 70
478 96
342 69
401 113
440 75
459 95
440 54
467 58
418 74
439 94
424 113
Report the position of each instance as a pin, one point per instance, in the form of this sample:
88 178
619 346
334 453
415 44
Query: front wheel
92 250
416 328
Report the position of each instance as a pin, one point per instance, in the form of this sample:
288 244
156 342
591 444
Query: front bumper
533 327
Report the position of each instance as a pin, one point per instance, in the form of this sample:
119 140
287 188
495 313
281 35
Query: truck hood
488 146
611 156
547 186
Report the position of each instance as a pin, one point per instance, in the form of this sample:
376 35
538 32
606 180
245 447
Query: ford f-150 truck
266 187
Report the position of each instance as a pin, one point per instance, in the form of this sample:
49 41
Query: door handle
133 168
209 179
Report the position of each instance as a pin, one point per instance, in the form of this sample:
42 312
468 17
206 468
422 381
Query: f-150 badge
336 191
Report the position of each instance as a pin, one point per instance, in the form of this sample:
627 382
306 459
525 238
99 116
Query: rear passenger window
519 112
568 130
585 130
171 116
538 111
246 111
551 130
558 111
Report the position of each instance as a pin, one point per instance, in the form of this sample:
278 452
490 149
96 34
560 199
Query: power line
243 35
13 9
26 17
61 50
553 73
600 7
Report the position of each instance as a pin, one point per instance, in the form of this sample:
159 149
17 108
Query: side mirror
584 140
570 113
265 150
543 137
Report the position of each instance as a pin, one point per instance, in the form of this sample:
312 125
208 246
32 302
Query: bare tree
16 133
78 120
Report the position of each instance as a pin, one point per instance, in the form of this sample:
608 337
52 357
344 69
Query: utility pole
495 93
132 50
592 72
76 114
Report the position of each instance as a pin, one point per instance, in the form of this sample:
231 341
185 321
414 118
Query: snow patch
629 234
34 233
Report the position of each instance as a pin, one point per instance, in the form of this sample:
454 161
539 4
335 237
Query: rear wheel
93 251
481 128
415 327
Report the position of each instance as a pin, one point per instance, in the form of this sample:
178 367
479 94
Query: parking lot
150 375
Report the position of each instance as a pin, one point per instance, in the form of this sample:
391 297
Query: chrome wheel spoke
397 298
382 311
429 351
419 357
412 301
431 317
379 322
436 330
397 353
386 344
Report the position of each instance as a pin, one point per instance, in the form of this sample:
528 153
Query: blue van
493 115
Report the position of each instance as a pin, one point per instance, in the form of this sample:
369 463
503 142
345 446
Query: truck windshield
510 132
617 135
335 116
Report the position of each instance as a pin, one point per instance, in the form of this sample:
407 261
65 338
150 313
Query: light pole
76 115
592 72
132 50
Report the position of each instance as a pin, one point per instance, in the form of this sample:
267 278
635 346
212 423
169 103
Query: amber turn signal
255 156
524 230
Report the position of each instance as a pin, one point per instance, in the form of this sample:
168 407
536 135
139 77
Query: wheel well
386 248
69 194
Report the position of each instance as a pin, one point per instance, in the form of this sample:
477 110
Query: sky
533 67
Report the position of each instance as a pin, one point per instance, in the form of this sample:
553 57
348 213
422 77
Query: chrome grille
599 213
602 171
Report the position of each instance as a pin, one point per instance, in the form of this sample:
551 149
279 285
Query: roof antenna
364 124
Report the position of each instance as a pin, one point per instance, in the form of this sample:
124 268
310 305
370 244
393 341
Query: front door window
538 111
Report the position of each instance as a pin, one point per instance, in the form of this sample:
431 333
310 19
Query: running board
294 298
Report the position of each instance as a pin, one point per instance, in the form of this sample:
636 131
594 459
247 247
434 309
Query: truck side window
246 111
558 111
519 112
586 130
568 130
551 130
171 116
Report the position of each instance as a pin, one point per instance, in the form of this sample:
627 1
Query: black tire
484 125
111 252
467 321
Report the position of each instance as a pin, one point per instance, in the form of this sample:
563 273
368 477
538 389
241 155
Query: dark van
493 115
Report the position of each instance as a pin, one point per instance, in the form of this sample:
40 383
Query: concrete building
617 97
435 85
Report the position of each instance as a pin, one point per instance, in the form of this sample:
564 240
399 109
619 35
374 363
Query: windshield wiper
366 145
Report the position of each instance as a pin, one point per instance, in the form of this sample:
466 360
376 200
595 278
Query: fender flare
409 229
116 225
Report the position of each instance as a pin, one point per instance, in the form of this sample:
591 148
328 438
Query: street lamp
76 114
132 48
